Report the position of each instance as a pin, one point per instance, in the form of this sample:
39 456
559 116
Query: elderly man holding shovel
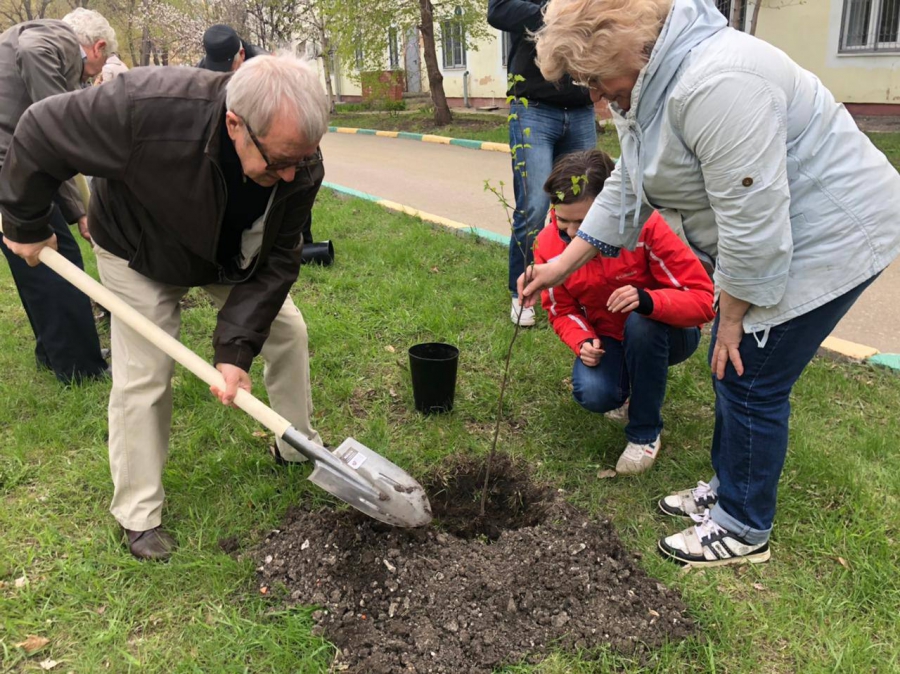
206 180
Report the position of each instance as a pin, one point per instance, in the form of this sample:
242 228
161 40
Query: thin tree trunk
442 114
755 18
736 14
146 46
326 65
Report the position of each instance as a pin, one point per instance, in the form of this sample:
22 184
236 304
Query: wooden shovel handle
161 339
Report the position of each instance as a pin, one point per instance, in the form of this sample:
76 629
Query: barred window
870 26
453 37
394 48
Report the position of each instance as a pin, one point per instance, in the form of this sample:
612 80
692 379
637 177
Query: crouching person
628 319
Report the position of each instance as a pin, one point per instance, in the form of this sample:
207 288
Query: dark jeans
60 314
639 365
751 434
553 132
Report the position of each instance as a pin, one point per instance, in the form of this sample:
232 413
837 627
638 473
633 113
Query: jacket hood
690 22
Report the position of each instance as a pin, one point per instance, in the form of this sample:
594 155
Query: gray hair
266 86
90 26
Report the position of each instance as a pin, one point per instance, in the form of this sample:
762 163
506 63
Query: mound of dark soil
395 600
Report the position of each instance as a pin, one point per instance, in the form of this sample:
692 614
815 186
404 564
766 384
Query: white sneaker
527 318
708 544
637 458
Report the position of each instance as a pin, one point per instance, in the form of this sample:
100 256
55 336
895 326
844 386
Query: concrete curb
426 138
422 215
835 345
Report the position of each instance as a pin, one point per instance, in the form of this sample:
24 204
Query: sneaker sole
755 558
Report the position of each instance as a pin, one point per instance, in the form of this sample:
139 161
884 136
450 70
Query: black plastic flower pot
321 252
433 368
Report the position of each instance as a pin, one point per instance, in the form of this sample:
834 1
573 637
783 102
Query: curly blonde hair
598 39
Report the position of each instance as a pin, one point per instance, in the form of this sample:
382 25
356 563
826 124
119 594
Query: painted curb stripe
891 360
849 349
495 147
426 137
465 142
416 213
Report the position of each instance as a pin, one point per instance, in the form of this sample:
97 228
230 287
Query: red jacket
662 264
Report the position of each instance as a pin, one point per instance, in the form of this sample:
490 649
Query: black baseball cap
222 44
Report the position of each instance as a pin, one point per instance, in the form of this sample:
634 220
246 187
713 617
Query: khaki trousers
140 403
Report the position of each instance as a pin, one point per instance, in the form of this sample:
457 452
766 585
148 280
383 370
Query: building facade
853 46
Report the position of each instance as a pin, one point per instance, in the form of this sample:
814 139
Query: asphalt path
448 181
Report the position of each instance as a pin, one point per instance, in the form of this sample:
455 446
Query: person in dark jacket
557 118
226 50
39 59
203 179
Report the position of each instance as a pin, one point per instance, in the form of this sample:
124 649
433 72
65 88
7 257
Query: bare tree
19 11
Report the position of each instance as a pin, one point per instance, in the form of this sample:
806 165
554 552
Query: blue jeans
751 434
553 132
639 365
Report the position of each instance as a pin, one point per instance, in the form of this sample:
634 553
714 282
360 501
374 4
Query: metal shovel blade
365 480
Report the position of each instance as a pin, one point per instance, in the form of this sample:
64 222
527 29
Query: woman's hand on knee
591 352
727 349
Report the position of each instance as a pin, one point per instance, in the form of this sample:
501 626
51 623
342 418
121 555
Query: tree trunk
146 46
736 13
755 18
442 114
326 65
164 56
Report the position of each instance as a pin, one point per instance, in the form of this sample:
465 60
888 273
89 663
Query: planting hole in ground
429 600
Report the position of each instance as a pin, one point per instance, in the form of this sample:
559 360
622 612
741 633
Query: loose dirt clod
453 601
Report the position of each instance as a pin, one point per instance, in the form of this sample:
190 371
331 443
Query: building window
453 36
870 26
504 48
394 48
359 58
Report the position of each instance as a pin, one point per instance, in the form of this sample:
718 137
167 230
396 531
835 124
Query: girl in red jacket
627 318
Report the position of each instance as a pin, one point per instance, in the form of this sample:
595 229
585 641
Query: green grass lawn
827 602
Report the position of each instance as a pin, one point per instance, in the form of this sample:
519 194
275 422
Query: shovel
353 473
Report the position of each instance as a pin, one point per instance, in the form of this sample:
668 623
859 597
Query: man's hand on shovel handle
30 251
235 378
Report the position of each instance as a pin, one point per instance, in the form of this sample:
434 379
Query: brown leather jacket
152 136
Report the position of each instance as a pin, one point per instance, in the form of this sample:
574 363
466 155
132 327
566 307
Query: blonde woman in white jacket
772 180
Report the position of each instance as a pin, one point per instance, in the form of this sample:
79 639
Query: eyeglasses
587 83
312 160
